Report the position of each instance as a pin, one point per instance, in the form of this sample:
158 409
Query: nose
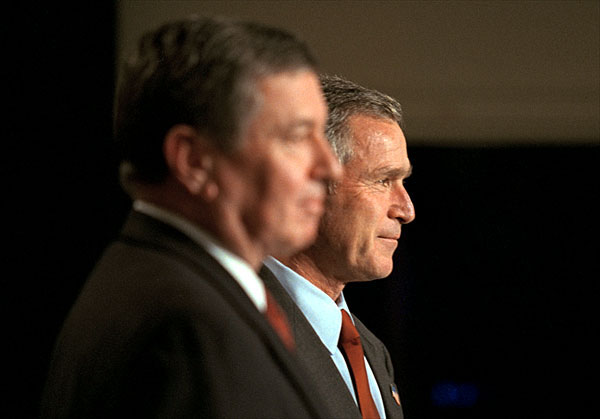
327 166
402 207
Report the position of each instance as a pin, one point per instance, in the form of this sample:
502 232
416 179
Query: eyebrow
301 123
394 173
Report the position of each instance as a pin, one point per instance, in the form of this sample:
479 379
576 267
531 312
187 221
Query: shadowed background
488 311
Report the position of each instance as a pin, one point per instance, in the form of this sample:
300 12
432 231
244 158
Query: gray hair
346 99
200 72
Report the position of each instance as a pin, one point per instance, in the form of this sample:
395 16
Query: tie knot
349 333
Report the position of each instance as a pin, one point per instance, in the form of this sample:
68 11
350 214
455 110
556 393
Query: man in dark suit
357 237
220 124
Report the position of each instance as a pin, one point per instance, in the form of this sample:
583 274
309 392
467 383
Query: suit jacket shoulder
160 329
381 363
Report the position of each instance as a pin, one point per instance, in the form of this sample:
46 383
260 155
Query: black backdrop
490 301
487 313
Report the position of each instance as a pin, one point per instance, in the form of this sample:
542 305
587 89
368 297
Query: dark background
487 314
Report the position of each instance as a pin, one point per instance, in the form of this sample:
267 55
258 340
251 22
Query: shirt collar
320 310
239 269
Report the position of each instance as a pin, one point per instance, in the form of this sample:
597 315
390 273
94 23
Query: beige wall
474 72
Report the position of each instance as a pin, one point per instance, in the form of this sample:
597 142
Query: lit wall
472 72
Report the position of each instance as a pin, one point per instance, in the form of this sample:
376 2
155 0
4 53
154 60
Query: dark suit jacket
321 367
160 329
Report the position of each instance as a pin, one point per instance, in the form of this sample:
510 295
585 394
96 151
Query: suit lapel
313 354
170 240
382 374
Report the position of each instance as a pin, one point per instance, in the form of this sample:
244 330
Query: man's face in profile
276 178
362 223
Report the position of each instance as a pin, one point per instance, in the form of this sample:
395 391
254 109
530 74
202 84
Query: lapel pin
395 394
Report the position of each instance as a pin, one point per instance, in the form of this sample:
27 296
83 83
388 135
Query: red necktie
279 322
350 343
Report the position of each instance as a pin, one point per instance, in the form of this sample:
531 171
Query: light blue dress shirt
326 319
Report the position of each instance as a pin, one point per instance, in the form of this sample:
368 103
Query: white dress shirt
325 317
239 269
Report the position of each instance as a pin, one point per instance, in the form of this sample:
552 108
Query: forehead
285 101
378 144
295 91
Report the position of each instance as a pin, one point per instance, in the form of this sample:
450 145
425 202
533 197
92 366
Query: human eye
296 138
297 134
384 182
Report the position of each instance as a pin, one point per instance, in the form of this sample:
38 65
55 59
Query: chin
383 270
288 247
371 273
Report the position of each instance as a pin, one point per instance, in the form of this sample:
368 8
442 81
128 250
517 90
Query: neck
304 265
230 230
216 219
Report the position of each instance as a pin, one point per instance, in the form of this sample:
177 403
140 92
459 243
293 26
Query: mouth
389 239
393 236
314 200
315 205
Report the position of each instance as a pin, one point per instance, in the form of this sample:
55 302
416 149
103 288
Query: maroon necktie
279 322
350 344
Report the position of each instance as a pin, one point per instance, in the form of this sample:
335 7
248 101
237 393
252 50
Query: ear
189 157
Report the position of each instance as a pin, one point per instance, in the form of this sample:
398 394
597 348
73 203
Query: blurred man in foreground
221 128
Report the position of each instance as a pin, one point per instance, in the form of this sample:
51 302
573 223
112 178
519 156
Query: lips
314 205
388 243
314 199
390 236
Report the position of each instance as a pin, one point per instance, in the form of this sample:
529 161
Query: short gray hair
346 99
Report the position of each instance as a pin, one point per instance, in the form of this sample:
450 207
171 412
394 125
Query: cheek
284 163
364 223
344 229
279 194
361 218
280 189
